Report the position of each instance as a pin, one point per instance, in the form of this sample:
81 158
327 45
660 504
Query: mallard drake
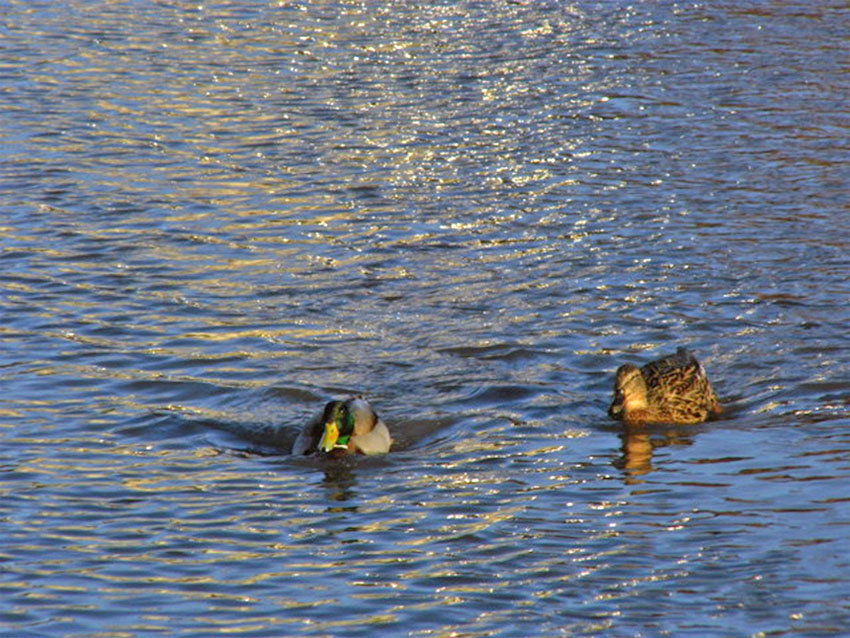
674 389
345 427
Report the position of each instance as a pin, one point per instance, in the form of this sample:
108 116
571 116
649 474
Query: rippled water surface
214 217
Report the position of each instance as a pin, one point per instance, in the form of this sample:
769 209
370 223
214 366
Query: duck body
345 427
674 389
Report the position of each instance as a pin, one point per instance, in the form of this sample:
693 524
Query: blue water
216 217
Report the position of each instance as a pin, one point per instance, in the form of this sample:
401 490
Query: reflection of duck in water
345 427
642 441
674 389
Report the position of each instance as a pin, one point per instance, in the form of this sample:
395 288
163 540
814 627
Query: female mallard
345 427
674 389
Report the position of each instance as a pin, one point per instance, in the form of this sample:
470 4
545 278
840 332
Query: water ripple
215 218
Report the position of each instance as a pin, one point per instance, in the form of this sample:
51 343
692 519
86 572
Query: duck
345 427
673 389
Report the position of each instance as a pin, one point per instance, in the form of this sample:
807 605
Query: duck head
629 391
343 420
338 426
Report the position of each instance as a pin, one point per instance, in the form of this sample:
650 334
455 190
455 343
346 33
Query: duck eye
345 421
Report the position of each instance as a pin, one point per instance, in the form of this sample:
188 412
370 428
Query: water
216 217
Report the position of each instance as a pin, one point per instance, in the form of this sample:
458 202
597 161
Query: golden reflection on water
225 212
639 443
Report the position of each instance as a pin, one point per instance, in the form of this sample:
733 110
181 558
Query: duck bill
616 409
329 437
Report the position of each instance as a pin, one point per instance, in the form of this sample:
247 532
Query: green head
338 422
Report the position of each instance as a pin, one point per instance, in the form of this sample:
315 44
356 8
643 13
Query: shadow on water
339 482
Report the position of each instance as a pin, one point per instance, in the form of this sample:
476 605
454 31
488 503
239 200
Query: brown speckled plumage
674 389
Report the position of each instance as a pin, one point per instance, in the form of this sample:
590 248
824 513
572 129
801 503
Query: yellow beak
330 436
